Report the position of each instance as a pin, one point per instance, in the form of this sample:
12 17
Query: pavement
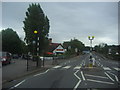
74 74
18 69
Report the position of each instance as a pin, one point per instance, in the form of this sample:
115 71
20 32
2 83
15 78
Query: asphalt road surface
75 74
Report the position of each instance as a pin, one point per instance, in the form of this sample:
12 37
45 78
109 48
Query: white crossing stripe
109 76
96 76
57 67
99 81
118 69
77 67
106 68
66 67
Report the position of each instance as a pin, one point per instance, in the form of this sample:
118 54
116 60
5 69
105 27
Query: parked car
15 56
5 57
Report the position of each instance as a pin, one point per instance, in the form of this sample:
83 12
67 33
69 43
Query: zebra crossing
66 67
113 68
77 67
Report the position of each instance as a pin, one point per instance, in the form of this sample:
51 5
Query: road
74 74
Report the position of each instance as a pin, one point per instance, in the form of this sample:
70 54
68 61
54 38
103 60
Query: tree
36 20
72 45
11 41
102 48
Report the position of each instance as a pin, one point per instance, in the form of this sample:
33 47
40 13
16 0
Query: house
55 48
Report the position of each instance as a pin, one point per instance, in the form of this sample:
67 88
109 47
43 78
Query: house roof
53 46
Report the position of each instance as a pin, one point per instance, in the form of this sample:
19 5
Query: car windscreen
2 54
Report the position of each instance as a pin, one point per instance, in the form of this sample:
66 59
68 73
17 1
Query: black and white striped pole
91 63
37 47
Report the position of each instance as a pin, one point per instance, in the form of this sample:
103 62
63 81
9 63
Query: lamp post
91 38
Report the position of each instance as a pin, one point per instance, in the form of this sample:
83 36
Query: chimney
50 41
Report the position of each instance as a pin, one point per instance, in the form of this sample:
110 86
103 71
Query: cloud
69 20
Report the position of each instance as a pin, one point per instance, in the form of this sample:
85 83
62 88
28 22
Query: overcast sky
69 20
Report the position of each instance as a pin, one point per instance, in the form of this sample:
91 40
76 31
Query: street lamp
91 38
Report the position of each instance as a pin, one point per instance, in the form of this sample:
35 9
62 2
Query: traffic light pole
91 63
37 51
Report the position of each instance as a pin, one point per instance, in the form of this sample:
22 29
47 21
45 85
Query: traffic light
35 32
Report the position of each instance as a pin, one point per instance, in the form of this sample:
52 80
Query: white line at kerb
41 73
19 83
82 75
109 77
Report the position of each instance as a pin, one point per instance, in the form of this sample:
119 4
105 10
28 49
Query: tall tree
36 20
73 44
11 41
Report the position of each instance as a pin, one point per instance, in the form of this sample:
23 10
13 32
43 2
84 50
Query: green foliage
102 48
11 41
72 45
36 20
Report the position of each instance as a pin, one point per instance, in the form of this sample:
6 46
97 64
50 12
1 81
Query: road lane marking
41 73
118 69
99 81
17 84
66 67
76 75
76 86
101 65
106 68
96 76
109 76
77 67
82 75
114 75
57 66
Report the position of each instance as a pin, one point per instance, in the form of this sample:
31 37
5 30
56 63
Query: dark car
15 56
5 57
